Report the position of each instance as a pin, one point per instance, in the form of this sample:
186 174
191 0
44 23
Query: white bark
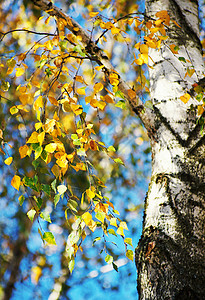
171 253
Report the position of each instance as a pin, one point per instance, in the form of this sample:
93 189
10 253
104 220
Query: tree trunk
170 257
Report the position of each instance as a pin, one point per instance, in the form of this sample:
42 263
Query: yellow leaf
33 138
23 150
185 98
98 68
98 87
15 182
93 14
108 99
38 103
100 104
123 225
48 20
77 109
120 231
113 222
113 77
36 273
8 161
87 217
144 57
92 225
19 71
61 189
41 137
115 30
26 99
144 49
90 194
200 109
81 91
38 125
51 147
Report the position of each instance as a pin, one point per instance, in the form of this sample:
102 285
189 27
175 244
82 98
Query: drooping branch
146 115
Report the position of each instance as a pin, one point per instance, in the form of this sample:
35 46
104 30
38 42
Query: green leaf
31 213
182 59
45 216
35 163
115 267
47 189
21 199
39 202
31 182
109 259
78 49
49 238
121 104
48 72
119 94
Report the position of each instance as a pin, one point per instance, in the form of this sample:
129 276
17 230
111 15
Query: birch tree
170 256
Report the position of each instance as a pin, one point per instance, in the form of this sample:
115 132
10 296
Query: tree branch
146 115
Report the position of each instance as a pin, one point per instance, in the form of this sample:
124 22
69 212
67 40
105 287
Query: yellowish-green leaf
45 216
109 259
130 254
21 199
49 238
13 110
128 241
100 216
